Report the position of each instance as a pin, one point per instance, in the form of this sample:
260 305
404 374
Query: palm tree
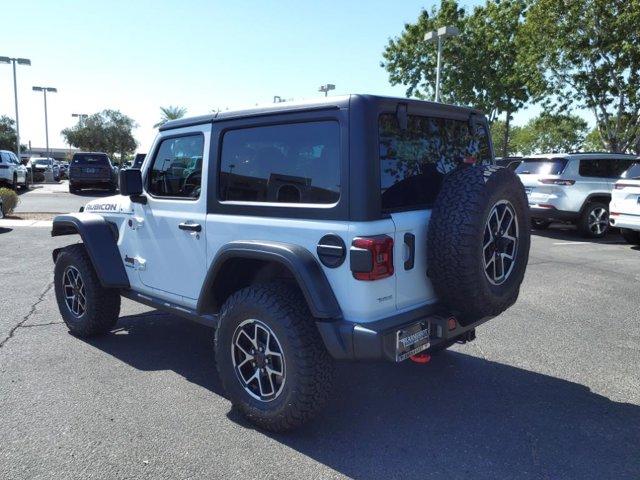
170 113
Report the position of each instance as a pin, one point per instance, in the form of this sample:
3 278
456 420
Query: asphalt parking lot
549 390
55 198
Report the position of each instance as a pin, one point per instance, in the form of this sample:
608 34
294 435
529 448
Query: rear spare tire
478 241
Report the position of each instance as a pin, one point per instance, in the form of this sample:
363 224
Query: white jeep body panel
171 264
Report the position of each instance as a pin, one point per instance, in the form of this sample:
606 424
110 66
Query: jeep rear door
413 163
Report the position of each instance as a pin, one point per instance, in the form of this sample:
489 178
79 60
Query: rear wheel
86 306
594 221
270 357
539 224
630 236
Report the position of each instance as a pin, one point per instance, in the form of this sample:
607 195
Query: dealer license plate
412 340
90 170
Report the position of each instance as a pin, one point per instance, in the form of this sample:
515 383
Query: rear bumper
347 340
553 214
90 182
625 220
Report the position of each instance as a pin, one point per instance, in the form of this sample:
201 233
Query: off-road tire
538 224
631 236
456 238
308 367
102 304
583 222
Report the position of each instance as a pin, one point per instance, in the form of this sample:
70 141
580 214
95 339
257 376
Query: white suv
572 187
625 204
346 228
12 172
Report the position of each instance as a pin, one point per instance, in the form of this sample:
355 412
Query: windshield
87 159
43 161
542 166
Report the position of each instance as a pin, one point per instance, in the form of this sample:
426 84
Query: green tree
551 133
109 131
590 52
7 133
170 113
593 142
483 67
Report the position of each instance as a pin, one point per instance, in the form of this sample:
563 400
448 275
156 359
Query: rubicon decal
101 207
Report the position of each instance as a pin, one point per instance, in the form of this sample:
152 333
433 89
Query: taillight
620 186
556 181
371 258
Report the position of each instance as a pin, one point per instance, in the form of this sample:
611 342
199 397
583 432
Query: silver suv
572 187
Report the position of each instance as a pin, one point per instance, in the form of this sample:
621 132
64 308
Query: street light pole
438 36
46 120
326 88
20 61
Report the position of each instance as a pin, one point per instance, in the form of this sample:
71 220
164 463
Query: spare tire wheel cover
478 241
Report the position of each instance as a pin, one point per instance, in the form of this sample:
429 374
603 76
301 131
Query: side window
289 163
414 161
592 168
177 167
3 159
618 167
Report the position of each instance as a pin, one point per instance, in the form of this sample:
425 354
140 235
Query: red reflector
614 214
452 323
421 358
546 205
620 186
381 250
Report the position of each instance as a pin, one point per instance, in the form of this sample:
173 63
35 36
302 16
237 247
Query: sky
136 56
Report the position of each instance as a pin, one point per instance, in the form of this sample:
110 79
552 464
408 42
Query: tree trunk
505 141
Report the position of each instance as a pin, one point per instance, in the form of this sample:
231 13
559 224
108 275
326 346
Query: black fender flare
299 261
100 242
591 196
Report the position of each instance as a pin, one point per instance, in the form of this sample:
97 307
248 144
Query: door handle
190 227
410 241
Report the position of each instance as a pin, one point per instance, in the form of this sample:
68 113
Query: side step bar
163 305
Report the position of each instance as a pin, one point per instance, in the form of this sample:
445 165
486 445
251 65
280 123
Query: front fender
100 242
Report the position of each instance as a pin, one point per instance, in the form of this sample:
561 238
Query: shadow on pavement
5 230
93 193
570 234
458 417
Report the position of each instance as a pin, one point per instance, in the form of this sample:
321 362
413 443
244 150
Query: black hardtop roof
320 103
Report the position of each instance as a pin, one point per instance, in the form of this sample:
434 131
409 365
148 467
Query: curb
25 223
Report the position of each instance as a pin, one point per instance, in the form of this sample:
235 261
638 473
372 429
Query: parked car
347 228
572 187
625 204
137 162
509 162
91 170
64 169
12 173
41 165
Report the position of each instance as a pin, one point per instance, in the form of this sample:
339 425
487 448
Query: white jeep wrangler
346 228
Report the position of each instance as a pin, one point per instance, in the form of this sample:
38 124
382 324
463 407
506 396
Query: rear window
413 162
87 159
633 173
291 163
541 166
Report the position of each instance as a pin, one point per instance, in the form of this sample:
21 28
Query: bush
10 200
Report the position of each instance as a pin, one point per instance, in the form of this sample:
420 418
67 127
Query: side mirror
130 182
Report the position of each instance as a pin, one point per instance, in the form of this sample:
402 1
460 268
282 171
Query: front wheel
594 221
86 306
631 236
270 357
